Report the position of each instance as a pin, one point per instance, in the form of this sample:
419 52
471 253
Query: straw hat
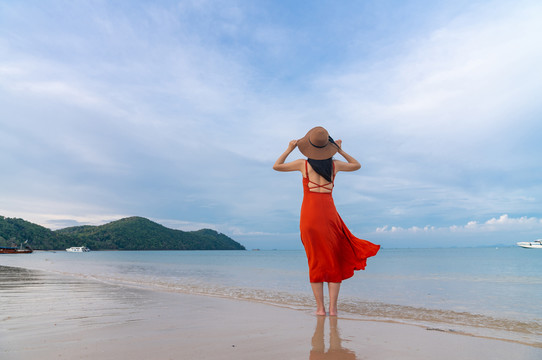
317 144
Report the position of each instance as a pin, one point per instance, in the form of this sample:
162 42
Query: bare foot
333 312
320 313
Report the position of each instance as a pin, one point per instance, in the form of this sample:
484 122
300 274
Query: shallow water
481 291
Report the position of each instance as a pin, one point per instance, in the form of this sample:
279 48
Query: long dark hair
323 168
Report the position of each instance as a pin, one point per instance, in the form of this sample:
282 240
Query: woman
332 251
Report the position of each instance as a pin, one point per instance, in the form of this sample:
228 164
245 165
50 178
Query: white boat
78 249
537 244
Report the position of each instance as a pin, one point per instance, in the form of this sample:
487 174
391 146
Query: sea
486 292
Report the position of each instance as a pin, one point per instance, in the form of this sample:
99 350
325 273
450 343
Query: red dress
332 251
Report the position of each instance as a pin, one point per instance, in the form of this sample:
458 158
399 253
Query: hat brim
313 152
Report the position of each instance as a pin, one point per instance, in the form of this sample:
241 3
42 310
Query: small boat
78 249
17 250
537 244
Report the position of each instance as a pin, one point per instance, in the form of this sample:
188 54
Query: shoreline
449 321
58 316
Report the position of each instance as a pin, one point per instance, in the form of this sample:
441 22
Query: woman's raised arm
296 165
351 165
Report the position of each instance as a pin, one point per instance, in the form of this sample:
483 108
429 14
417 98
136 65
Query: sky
176 111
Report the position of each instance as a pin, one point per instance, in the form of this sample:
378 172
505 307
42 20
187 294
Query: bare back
316 182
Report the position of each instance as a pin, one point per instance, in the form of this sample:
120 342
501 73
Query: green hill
133 233
16 231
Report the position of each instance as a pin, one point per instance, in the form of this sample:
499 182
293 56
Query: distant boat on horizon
78 249
17 250
537 244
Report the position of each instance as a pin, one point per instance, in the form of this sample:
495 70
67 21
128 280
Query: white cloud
450 90
500 224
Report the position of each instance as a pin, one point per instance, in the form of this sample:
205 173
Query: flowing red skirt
333 252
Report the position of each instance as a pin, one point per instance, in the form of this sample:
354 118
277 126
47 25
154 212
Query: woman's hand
339 143
292 145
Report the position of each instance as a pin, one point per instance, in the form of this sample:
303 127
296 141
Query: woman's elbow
354 166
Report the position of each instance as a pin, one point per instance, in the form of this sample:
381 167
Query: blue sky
176 111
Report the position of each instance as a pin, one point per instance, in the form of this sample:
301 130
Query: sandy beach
50 316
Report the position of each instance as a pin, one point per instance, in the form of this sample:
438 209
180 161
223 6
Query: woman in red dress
333 253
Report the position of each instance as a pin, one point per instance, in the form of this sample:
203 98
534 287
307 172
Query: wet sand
48 316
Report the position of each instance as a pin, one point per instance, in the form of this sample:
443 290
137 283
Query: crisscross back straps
327 186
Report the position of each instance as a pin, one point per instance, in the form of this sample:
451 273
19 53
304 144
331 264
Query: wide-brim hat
317 144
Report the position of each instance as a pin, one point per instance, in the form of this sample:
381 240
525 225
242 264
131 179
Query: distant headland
132 233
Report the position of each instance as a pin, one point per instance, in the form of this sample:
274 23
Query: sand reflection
335 351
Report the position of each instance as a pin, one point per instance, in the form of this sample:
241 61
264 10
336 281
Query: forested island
132 233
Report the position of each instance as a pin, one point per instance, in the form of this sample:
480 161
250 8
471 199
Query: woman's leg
333 296
318 291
